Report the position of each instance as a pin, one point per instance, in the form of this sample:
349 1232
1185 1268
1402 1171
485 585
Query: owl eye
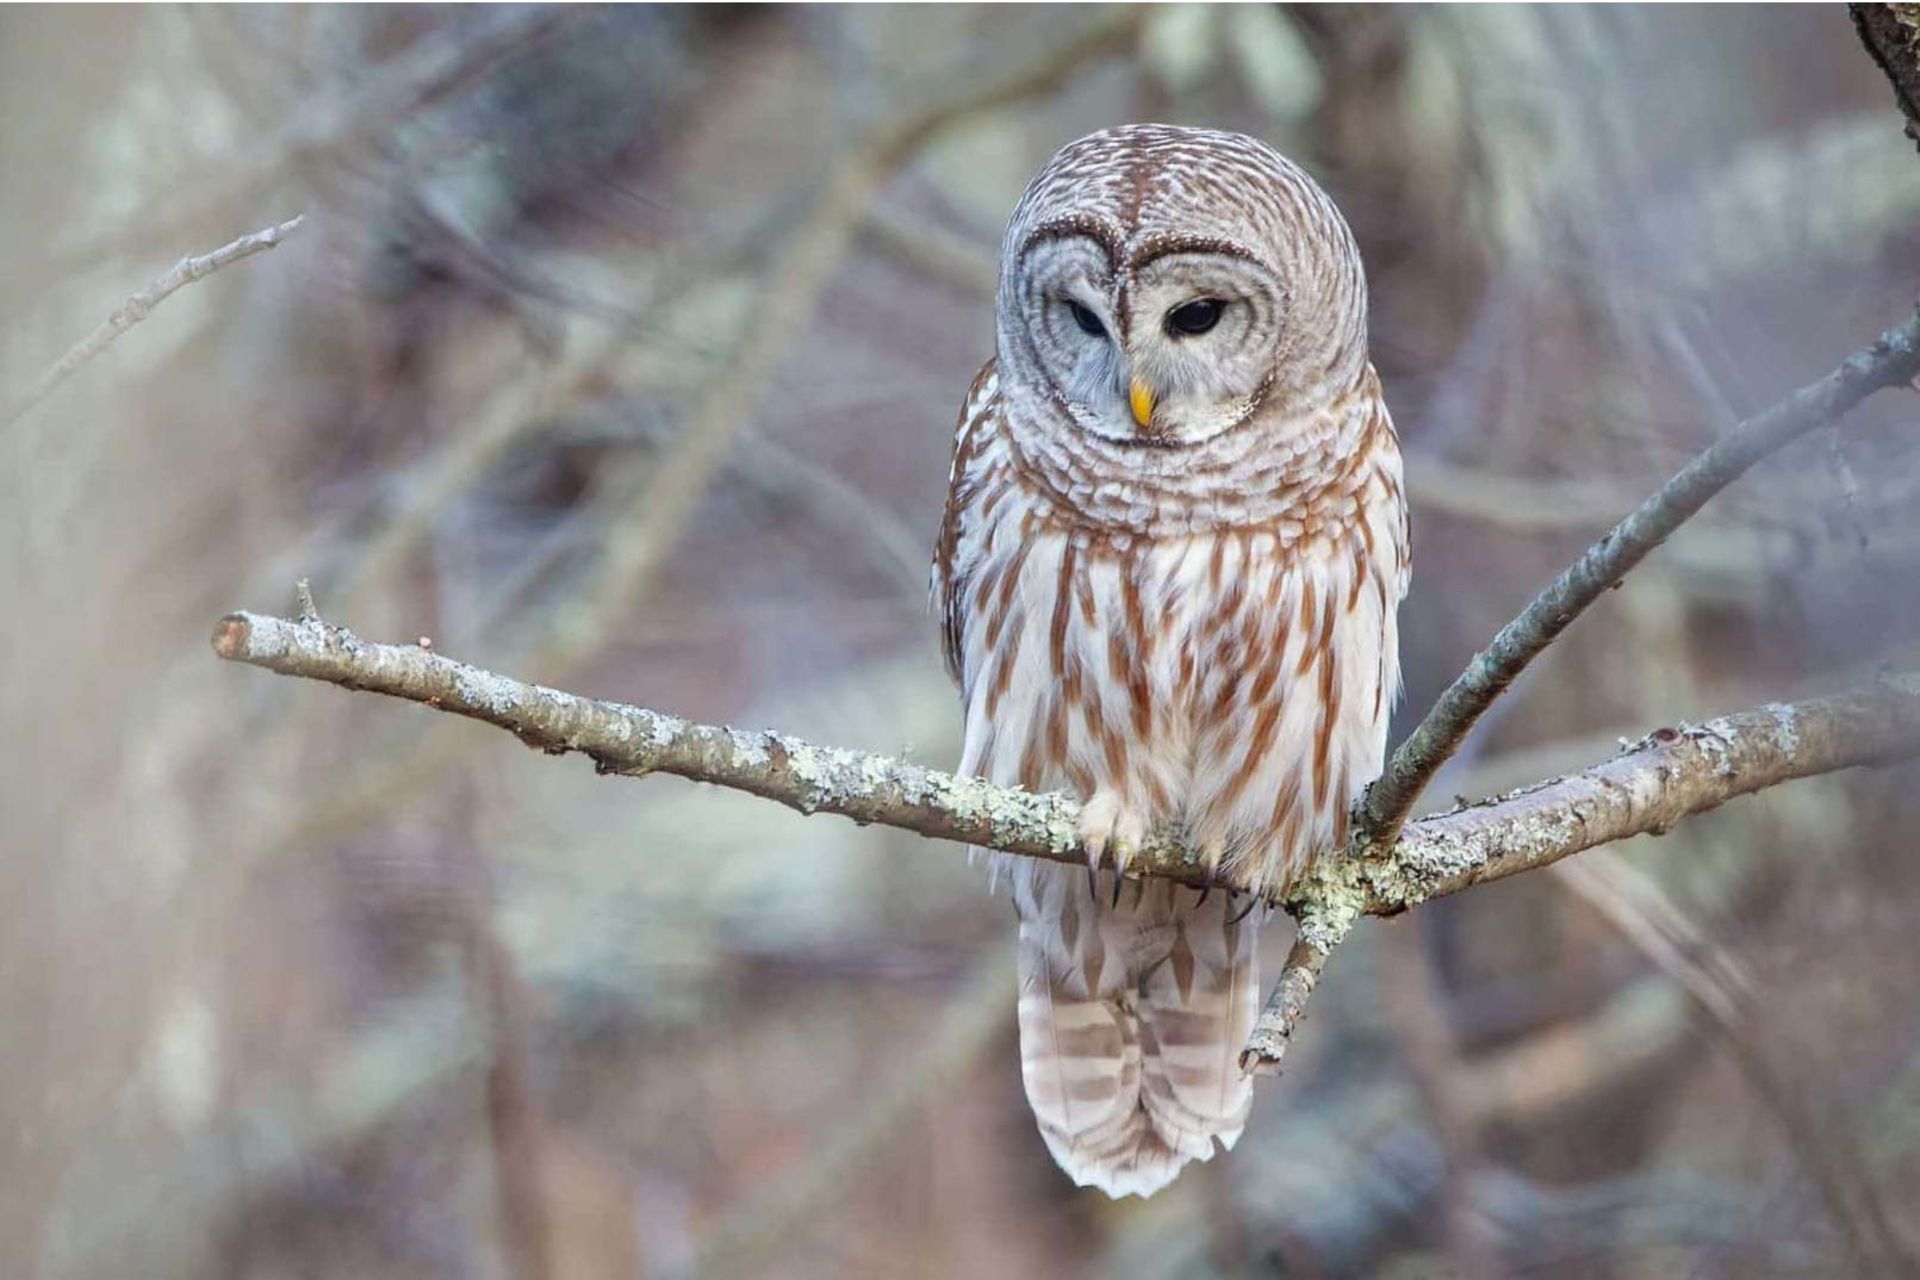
1195 317
1089 323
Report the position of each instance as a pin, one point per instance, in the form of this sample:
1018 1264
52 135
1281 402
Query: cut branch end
231 636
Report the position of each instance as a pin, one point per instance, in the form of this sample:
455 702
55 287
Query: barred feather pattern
1199 635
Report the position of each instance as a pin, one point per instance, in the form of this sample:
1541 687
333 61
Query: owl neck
1279 464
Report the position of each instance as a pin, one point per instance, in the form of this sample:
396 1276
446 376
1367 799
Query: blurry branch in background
139 306
1519 503
1414 1003
974 1015
326 124
658 500
1891 33
963 262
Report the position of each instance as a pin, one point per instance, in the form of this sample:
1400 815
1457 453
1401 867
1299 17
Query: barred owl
1174 544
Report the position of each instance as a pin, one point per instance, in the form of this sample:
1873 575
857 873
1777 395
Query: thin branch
1670 774
140 305
1892 360
1287 1004
634 741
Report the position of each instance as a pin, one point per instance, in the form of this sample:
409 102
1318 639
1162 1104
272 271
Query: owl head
1162 286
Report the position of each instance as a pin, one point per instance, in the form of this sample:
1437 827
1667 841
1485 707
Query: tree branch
1892 360
140 305
1649 786
1287 1004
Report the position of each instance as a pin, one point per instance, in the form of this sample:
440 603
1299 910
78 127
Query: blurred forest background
621 349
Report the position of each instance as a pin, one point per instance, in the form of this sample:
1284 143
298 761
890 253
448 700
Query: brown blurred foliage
592 363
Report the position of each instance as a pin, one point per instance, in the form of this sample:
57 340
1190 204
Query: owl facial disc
1163 286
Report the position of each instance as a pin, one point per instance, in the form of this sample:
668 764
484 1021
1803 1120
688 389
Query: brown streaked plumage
1173 547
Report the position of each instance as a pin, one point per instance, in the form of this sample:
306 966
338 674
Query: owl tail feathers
1131 1025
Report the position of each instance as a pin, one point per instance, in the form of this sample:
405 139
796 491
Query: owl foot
1109 827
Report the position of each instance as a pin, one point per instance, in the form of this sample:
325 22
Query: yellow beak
1140 396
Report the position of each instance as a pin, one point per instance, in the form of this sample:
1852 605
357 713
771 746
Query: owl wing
968 474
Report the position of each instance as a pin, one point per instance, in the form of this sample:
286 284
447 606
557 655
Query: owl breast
1228 678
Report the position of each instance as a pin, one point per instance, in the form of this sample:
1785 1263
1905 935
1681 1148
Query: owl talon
1107 826
1207 886
1253 900
1211 855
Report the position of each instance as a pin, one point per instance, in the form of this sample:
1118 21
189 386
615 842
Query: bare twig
1287 1004
140 305
1892 360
